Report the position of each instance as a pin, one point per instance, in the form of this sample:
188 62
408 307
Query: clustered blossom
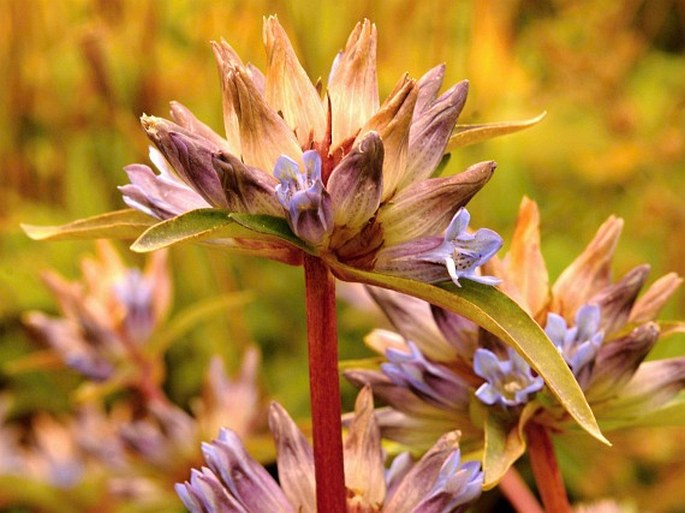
233 482
602 329
351 176
109 317
109 322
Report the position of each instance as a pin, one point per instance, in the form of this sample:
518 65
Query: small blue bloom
463 252
578 344
302 194
458 484
508 382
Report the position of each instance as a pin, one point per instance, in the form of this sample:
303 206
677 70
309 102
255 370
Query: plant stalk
515 489
546 469
324 386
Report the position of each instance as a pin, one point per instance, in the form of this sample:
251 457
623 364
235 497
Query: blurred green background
76 75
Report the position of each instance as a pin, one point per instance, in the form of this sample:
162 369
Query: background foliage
75 75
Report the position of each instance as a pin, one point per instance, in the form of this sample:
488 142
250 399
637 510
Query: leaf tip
35 232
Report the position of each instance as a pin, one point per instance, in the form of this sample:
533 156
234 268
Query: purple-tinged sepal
438 479
161 196
618 360
247 190
426 207
356 185
204 493
431 131
189 155
458 484
244 478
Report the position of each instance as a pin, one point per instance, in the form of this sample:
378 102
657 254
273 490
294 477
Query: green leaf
503 317
214 223
121 224
271 226
195 225
504 444
464 135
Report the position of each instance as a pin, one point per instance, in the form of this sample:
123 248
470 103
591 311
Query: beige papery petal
364 470
264 136
226 58
183 117
526 280
426 207
295 461
288 88
647 307
413 319
392 122
589 273
429 85
353 85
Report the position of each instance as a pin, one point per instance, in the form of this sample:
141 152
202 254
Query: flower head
112 313
350 175
232 481
602 328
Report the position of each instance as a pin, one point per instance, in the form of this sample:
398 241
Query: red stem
324 386
546 470
515 489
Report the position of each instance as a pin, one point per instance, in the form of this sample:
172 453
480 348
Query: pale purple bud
302 194
136 293
190 156
356 183
431 130
433 382
161 196
578 344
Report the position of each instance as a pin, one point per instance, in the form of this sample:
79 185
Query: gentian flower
508 382
232 481
438 360
351 176
578 344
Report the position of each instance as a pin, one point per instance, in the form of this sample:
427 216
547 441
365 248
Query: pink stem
546 470
324 386
515 489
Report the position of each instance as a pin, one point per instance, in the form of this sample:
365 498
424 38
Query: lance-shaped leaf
464 135
503 446
120 224
214 223
504 318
